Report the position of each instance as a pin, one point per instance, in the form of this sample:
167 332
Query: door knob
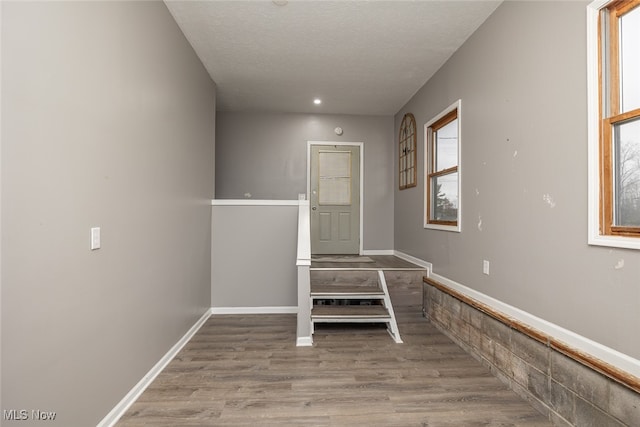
314 208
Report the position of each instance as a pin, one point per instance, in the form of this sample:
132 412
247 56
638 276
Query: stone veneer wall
568 392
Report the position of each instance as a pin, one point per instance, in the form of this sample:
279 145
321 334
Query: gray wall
266 155
522 81
254 256
107 120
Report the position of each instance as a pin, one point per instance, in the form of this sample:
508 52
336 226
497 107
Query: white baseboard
378 252
119 410
578 342
254 310
412 259
304 342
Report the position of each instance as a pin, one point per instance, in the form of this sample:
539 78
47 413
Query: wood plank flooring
246 371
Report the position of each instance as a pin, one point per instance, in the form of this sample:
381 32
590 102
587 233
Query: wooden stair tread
349 311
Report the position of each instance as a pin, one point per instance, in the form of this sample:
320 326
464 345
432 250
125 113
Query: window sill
615 241
455 228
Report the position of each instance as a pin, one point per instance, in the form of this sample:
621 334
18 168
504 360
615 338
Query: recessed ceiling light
317 101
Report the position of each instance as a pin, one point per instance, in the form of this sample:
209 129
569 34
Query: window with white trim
614 123
442 166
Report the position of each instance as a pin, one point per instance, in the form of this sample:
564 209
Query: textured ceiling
359 57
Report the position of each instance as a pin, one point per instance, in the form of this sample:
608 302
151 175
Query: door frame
339 143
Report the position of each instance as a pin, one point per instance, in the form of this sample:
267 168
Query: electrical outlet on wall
485 267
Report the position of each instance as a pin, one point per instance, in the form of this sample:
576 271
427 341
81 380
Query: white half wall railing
253 256
261 259
303 263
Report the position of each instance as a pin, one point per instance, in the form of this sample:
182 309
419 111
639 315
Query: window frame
452 112
407 153
603 90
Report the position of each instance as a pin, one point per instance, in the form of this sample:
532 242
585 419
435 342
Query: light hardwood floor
247 371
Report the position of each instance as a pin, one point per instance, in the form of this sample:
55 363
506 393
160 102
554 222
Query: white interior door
335 199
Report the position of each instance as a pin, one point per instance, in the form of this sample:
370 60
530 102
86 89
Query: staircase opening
357 294
352 296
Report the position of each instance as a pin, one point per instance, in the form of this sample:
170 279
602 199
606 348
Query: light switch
485 267
95 238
